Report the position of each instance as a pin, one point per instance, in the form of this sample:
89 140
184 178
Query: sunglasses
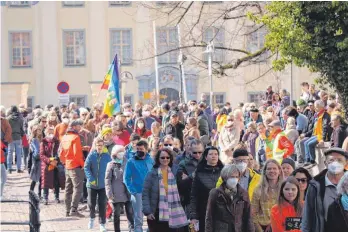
167 145
197 152
165 157
302 180
65 117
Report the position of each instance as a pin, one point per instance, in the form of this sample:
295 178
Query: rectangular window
74 48
30 102
73 3
120 3
219 99
20 49
80 100
217 36
256 41
167 39
128 98
255 97
121 44
19 3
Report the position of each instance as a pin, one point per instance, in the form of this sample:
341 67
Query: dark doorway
169 94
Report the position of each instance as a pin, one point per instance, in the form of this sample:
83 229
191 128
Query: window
80 100
255 40
73 3
120 3
219 99
121 44
255 97
74 48
19 3
167 39
191 89
217 36
30 102
128 98
20 53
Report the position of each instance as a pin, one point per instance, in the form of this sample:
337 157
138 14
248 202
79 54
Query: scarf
344 201
170 208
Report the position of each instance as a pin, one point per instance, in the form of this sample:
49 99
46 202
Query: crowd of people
188 167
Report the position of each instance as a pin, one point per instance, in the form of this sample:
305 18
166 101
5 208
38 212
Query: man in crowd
254 116
301 120
322 191
72 158
175 127
339 133
282 146
131 148
269 95
146 113
61 128
135 172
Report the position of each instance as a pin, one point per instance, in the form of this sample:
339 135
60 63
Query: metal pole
291 86
120 81
210 76
156 64
181 58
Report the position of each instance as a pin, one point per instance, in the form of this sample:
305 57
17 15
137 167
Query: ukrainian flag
112 84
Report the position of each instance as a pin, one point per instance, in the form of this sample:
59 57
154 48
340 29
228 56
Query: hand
321 143
54 163
268 229
302 136
184 176
150 217
193 221
86 148
93 182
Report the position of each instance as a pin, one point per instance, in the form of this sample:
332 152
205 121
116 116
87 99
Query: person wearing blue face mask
116 190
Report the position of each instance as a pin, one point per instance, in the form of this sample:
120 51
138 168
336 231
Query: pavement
52 216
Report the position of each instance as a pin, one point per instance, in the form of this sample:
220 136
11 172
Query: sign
64 99
63 87
293 223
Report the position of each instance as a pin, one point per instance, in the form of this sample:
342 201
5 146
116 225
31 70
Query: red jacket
145 135
278 217
2 152
71 151
122 139
25 141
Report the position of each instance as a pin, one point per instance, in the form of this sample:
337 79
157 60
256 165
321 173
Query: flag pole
156 64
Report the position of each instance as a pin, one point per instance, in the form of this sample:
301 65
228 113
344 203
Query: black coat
338 136
337 218
205 180
175 131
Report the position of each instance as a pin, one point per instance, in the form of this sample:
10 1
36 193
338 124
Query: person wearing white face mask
61 128
228 207
322 191
116 190
140 128
146 113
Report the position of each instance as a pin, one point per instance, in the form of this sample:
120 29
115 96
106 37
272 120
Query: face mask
50 136
127 114
231 183
330 101
169 147
242 166
335 167
65 120
146 113
120 155
229 123
141 125
140 154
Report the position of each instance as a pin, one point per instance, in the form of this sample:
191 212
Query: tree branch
244 59
183 15
259 77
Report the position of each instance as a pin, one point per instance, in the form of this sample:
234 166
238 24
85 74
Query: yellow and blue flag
112 84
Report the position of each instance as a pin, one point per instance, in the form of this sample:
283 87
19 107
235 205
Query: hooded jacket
16 123
95 167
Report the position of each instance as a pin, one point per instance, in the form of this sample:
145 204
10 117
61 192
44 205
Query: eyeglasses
165 157
242 161
167 145
44 121
197 152
302 180
230 120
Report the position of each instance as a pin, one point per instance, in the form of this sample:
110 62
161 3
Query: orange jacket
71 151
278 217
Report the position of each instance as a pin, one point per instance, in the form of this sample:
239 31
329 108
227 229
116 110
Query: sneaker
82 208
110 219
102 228
19 171
91 223
57 201
75 213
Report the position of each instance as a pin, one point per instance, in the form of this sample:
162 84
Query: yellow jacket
255 179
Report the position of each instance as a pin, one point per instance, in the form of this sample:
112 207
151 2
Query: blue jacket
129 151
135 173
95 169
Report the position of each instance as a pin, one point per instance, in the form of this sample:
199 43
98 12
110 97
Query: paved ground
52 216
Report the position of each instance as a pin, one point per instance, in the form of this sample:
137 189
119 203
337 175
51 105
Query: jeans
32 187
300 149
310 148
3 178
56 186
25 156
15 146
137 204
117 207
92 201
73 188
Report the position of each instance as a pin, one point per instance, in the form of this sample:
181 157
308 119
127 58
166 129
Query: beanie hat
106 131
300 102
240 152
289 161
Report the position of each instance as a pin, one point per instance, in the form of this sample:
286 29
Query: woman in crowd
303 177
205 179
120 134
250 137
337 216
288 166
289 206
221 119
116 191
276 104
191 129
228 139
95 166
140 128
155 134
49 162
52 119
161 200
270 113
228 207
290 130
266 195
35 172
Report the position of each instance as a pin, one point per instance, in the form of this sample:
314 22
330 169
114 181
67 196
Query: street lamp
124 77
210 50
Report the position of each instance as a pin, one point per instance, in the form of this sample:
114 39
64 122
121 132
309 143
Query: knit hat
106 131
300 102
240 152
289 161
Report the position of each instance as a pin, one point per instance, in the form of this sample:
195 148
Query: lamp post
210 50
125 76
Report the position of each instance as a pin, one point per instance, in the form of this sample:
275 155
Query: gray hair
342 187
83 110
37 113
319 103
228 170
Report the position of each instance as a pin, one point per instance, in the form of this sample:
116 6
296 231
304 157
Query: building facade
50 42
